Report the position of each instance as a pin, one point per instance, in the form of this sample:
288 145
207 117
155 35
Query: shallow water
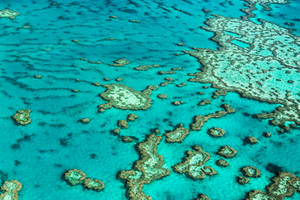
38 154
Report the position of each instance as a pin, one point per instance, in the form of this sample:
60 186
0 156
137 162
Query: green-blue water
38 154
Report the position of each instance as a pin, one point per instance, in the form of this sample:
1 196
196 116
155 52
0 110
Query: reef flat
122 97
261 65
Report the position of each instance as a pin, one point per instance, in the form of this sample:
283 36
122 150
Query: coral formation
265 3
227 151
202 197
177 135
127 139
74 176
222 163
145 67
204 102
252 64
242 180
250 171
120 62
177 103
192 164
199 120
123 97
122 123
38 76
284 185
11 189
93 184
22 117
162 96
132 117
148 168
209 170
251 140
7 13
85 120
216 132
77 177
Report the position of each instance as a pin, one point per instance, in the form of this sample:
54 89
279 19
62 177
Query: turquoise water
38 154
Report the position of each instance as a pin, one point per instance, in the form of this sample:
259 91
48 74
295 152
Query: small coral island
227 151
216 132
76 177
192 164
11 189
123 97
120 62
22 117
7 13
177 135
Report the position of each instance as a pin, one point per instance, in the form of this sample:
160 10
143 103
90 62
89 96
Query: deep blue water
34 154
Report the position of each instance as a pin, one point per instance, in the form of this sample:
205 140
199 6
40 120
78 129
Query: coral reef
216 132
22 117
148 168
242 180
265 3
251 140
145 67
252 64
7 13
11 189
199 120
202 197
192 164
222 163
227 151
122 123
85 120
209 170
132 117
250 171
123 97
127 139
177 103
93 184
284 185
177 135
120 62
162 96
204 102
74 176
77 177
